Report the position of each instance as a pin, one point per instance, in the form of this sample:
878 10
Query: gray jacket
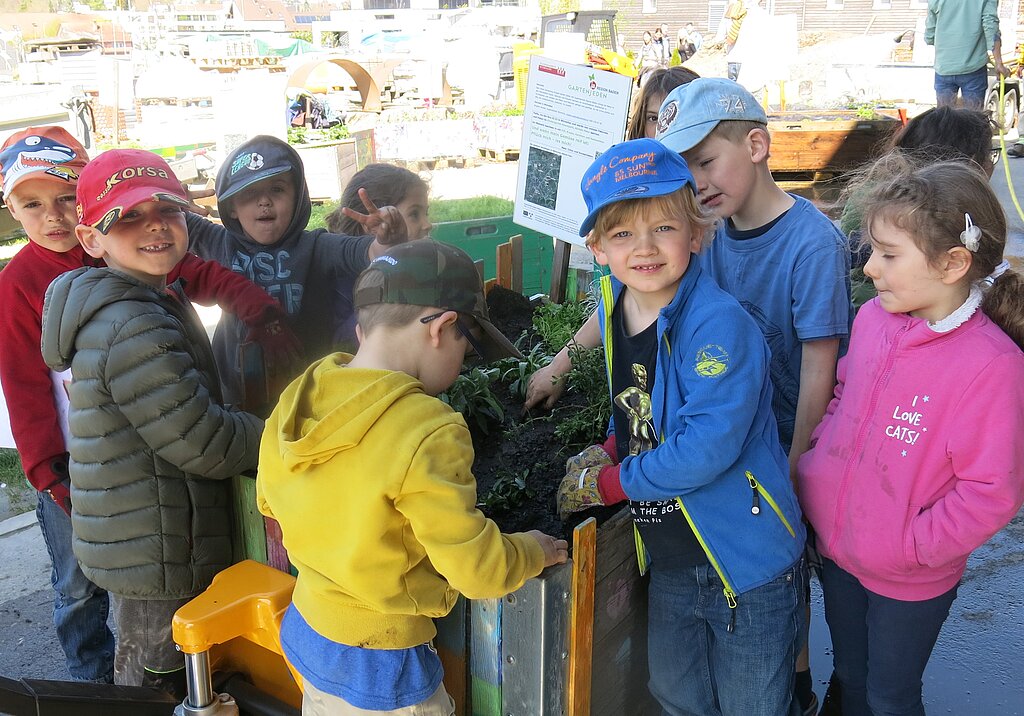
152 445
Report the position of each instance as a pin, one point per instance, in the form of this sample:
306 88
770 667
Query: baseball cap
40 152
637 169
691 111
258 159
429 273
120 179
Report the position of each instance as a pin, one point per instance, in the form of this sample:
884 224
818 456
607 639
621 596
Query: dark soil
524 442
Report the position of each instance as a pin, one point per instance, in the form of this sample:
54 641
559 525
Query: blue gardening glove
578 490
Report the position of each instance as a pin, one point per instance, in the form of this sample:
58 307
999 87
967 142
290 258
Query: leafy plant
471 395
332 134
557 323
585 424
501 110
516 373
296 135
508 491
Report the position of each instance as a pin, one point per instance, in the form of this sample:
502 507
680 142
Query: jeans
880 645
972 86
699 667
79 607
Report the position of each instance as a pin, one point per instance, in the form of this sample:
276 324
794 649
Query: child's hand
385 224
556 551
194 194
545 387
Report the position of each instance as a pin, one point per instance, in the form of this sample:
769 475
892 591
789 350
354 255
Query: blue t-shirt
371 679
793 277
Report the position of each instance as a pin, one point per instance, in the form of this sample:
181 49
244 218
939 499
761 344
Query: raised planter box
825 142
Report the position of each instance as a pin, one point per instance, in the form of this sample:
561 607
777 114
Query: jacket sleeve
988 464
156 384
28 389
990 23
929 24
208 283
205 238
706 434
439 497
345 255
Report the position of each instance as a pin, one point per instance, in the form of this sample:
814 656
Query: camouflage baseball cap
429 273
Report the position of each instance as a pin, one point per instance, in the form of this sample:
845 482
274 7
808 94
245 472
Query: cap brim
496 346
660 188
262 174
684 140
68 176
132 198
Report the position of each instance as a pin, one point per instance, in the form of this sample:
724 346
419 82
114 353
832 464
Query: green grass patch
441 210
17 493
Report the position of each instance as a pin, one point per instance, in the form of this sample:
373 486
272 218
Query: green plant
471 395
508 491
557 323
501 110
333 134
516 373
441 210
864 110
579 425
296 135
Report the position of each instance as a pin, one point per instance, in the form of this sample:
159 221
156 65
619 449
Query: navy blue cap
637 169
260 158
691 111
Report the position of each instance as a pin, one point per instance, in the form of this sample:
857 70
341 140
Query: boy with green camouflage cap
370 477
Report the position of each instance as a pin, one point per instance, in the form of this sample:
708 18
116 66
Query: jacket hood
261 158
312 428
74 298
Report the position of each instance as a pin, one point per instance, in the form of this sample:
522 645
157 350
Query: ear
437 327
359 334
955 264
760 144
600 256
88 237
697 234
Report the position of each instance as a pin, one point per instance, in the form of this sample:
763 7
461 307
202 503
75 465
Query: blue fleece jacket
719 451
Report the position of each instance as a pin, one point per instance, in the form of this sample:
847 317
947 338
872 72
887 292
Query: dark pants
880 645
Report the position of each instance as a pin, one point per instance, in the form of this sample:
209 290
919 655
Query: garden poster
573 113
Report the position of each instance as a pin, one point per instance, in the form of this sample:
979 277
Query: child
701 462
918 459
39 169
385 185
264 203
643 121
394 551
152 445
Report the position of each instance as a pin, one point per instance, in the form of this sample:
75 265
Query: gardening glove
60 490
578 490
281 348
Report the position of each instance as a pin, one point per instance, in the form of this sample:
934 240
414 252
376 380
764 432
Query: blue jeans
699 667
79 607
972 86
880 645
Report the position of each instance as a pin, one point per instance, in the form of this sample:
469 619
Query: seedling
509 490
471 395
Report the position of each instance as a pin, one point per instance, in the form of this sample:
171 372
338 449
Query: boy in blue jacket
702 468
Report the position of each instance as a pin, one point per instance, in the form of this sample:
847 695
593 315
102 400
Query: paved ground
976 667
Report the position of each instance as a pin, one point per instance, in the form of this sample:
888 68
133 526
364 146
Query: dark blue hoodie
301 270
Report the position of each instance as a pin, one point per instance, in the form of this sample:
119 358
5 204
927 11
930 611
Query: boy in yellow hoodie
370 477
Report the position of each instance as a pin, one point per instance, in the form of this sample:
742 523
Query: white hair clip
971 235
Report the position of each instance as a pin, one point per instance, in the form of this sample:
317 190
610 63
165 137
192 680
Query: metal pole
197 675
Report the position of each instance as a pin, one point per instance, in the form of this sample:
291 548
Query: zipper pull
755 505
730 598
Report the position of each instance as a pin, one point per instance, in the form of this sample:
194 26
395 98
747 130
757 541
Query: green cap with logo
429 273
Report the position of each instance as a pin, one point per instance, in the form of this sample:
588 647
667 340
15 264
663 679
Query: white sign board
573 114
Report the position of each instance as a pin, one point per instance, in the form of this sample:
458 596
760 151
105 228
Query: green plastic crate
480 238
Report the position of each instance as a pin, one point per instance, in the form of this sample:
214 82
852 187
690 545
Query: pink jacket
920 456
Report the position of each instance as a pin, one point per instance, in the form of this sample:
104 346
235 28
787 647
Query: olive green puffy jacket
152 446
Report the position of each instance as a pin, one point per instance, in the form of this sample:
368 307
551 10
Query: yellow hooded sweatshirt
371 481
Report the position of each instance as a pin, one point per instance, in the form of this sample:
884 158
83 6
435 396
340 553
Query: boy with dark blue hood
264 203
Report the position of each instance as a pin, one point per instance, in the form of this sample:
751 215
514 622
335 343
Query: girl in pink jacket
919 458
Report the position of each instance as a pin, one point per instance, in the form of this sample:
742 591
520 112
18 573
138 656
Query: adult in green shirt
963 32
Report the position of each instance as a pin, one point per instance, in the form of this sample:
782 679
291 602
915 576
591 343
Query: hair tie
998 271
971 235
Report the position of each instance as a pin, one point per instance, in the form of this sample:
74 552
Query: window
650 6
882 5
833 4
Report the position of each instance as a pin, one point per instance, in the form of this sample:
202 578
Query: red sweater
26 378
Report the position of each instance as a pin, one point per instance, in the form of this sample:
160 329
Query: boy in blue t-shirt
702 468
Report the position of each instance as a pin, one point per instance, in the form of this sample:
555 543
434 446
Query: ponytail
1004 304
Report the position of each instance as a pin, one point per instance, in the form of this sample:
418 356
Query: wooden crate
831 142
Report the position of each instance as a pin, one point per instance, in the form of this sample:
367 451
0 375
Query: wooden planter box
814 143
571 642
